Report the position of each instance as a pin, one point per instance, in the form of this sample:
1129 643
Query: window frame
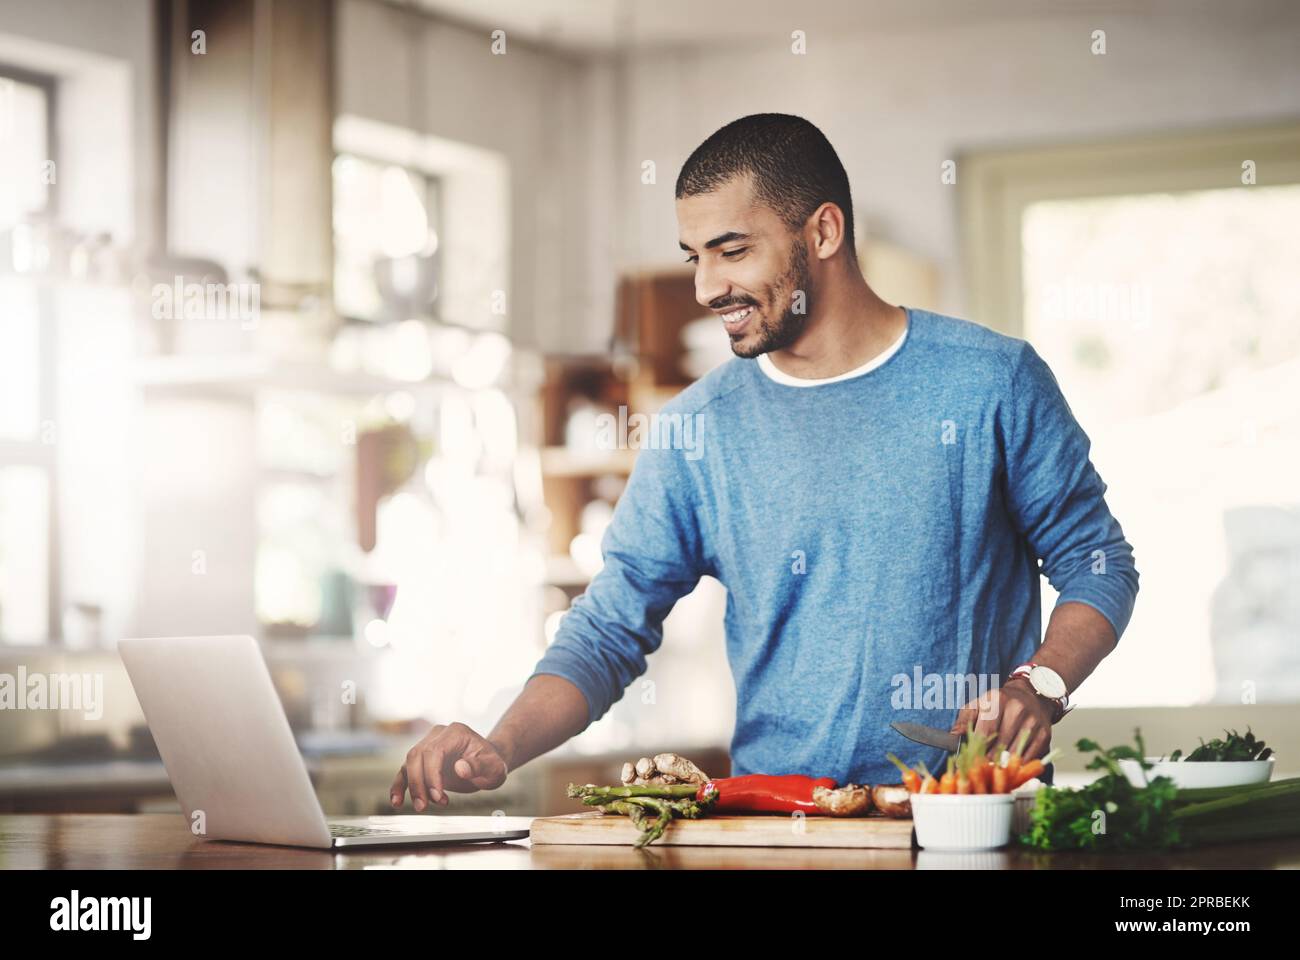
996 187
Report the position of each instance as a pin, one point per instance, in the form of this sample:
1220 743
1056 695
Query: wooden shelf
652 309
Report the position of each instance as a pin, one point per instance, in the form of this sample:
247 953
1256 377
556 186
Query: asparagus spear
665 801
676 791
631 810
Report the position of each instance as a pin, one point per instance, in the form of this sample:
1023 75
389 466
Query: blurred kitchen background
428 254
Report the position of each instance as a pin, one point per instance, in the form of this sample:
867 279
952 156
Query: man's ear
828 230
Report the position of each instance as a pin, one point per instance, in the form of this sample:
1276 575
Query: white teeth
736 315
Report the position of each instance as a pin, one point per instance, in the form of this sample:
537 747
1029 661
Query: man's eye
735 253
692 259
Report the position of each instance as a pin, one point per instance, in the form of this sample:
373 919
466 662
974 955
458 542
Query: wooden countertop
162 841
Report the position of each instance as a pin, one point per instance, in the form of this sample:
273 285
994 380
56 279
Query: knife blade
930 736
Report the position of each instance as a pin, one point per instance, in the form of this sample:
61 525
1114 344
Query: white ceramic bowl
1024 804
975 821
1189 775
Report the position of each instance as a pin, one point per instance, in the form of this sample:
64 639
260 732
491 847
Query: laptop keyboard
343 830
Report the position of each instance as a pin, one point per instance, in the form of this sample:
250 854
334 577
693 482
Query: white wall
896 104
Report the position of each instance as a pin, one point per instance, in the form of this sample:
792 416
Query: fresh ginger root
662 769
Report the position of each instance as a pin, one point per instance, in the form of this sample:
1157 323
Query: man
875 489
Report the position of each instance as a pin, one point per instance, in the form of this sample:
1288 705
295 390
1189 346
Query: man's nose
709 285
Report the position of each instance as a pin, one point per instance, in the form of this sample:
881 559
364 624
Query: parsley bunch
1109 813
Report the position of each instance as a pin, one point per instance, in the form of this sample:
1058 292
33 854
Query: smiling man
876 489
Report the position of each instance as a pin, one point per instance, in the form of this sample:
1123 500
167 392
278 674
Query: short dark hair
794 167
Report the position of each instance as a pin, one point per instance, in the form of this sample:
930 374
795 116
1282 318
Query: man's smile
734 319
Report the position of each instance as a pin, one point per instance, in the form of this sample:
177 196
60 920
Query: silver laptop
232 760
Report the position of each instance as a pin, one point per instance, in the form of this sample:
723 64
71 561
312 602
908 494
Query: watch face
1047 682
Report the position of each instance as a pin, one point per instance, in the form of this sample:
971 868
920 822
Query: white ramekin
972 821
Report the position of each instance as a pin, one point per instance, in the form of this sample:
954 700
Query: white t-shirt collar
768 367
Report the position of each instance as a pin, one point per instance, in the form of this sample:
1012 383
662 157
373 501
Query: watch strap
1060 706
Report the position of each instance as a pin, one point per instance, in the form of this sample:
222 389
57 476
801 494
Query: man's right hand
451 757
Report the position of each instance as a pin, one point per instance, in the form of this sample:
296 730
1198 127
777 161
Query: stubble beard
786 330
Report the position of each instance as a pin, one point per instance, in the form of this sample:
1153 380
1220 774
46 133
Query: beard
782 332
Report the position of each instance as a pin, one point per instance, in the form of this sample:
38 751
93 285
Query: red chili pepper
764 793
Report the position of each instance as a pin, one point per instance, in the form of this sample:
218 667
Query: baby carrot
1032 769
1013 763
1000 782
929 784
948 782
911 779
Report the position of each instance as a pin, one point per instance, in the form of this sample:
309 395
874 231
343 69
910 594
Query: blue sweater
879 538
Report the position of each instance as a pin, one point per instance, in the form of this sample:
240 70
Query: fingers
484 769
983 714
1010 722
1038 743
987 717
451 758
965 717
415 777
398 789
1016 720
441 756
434 758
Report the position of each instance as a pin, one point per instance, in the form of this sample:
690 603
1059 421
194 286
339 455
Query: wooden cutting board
731 831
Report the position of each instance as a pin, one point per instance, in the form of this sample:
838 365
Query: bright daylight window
1171 322
385 240
24 458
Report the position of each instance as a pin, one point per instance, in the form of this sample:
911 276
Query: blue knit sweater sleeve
1057 499
652 551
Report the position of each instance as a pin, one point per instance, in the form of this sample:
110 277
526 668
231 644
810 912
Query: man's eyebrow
719 240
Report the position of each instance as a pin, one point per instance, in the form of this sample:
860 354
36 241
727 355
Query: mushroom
892 799
849 800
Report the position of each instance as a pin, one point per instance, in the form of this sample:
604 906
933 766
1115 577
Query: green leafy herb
1235 747
1109 813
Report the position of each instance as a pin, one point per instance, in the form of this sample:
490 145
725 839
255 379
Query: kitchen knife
930 736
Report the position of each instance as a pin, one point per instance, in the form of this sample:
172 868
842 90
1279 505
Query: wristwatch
1047 683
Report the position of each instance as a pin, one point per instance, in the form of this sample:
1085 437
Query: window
386 240
1159 283
26 428
25 186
